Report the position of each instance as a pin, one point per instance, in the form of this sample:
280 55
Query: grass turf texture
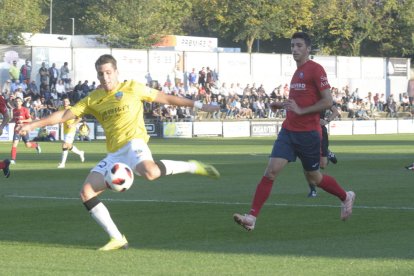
182 224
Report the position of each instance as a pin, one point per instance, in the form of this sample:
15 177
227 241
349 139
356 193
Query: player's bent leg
149 169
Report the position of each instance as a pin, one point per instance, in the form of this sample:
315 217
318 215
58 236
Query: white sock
175 167
64 157
101 215
75 150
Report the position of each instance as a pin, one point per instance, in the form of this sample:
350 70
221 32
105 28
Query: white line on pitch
209 202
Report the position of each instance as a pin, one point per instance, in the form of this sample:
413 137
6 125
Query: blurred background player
118 107
69 132
21 116
5 164
326 155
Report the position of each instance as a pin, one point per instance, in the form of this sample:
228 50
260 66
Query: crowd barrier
235 128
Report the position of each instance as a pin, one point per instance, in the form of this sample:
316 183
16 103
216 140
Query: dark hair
304 36
104 59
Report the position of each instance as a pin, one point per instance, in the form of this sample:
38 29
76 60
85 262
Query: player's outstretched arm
55 118
174 100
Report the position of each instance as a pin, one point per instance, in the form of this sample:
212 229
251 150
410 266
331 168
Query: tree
253 19
20 16
136 24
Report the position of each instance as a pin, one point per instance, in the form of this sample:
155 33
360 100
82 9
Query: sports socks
74 149
101 215
175 167
64 156
263 190
13 153
330 185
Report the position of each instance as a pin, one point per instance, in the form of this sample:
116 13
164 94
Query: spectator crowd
235 101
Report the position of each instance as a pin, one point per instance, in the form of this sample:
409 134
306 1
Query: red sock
330 185
262 193
2 165
13 153
33 145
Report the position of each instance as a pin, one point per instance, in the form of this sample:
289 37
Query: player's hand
210 108
291 105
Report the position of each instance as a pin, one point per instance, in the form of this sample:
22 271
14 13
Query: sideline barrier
233 128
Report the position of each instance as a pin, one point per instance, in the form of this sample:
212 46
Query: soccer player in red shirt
300 135
21 115
4 165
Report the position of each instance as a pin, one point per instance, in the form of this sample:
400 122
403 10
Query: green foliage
182 224
20 16
136 24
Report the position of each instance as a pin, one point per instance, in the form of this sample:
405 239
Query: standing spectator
53 76
300 133
202 77
21 116
64 75
14 72
77 92
192 77
25 72
410 91
43 74
85 89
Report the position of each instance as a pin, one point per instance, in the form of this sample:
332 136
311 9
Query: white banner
84 64
207 129
373 68
387 126
364 127
406 126
177 129
132 64
264 128
340 128
236 129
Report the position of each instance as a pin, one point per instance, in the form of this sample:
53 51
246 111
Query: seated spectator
43 135
84 131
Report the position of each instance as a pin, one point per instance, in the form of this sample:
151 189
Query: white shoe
61 166
246 221
12 162
82 156
347 204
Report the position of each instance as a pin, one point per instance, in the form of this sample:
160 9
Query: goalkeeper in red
118 107
300 136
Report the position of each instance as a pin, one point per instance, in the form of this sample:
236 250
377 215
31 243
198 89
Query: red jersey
305 89
20 114
3 105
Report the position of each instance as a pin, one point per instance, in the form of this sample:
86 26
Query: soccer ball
119 177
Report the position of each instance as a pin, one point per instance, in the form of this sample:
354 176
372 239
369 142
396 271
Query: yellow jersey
66 128
120 112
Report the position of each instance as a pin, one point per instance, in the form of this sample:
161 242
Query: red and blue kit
305 87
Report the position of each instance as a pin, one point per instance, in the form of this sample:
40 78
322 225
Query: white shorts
69 138
131 154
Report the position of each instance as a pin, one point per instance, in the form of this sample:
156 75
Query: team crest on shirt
119 95
301 75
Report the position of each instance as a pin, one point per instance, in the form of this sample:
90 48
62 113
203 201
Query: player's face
299 50
107 76
66 103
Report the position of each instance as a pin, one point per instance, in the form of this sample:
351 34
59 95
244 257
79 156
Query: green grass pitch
182 224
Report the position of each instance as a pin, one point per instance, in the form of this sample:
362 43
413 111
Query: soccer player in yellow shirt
69 132
118 106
